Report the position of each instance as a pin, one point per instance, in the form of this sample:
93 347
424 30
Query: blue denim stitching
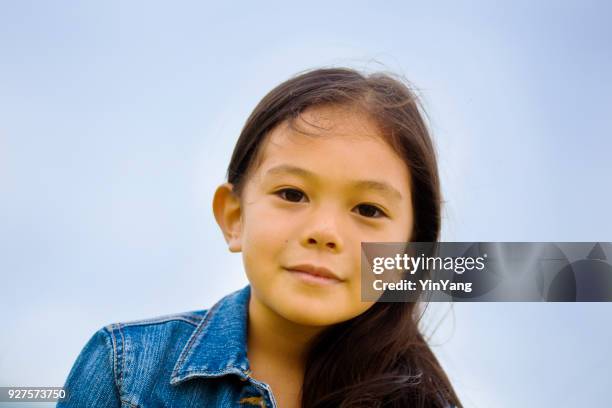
193 321
122 359
110 331
230 370
121 373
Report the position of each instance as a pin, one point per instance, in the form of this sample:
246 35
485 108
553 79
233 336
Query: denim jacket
194 359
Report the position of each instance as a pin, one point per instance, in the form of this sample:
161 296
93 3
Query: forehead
336 142
335 120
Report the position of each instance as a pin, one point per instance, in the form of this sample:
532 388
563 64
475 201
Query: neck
276 340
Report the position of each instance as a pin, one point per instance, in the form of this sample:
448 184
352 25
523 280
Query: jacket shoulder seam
189 317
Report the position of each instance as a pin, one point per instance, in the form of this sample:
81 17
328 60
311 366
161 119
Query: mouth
314 274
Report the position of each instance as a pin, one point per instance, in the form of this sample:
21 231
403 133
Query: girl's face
309 203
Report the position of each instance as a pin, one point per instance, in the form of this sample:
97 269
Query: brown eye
370 211
291 194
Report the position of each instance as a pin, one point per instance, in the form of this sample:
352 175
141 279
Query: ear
228 213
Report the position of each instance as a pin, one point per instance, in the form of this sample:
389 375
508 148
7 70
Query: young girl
327 160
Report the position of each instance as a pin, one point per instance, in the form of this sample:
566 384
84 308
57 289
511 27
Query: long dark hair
379 358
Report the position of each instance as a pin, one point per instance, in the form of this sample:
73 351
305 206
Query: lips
319 271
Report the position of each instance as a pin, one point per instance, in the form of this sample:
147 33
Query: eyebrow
380 186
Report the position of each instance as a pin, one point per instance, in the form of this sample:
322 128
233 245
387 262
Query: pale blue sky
117 121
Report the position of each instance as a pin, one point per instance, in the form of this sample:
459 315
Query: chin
313 319
306 314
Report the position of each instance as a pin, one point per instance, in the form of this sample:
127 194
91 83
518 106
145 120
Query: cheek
264 235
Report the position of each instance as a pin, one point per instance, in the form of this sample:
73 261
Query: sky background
117 121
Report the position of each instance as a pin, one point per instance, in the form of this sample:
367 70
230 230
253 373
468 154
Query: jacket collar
218 344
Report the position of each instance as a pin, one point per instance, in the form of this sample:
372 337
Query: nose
323 233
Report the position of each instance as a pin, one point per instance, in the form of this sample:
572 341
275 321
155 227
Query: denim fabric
194 359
